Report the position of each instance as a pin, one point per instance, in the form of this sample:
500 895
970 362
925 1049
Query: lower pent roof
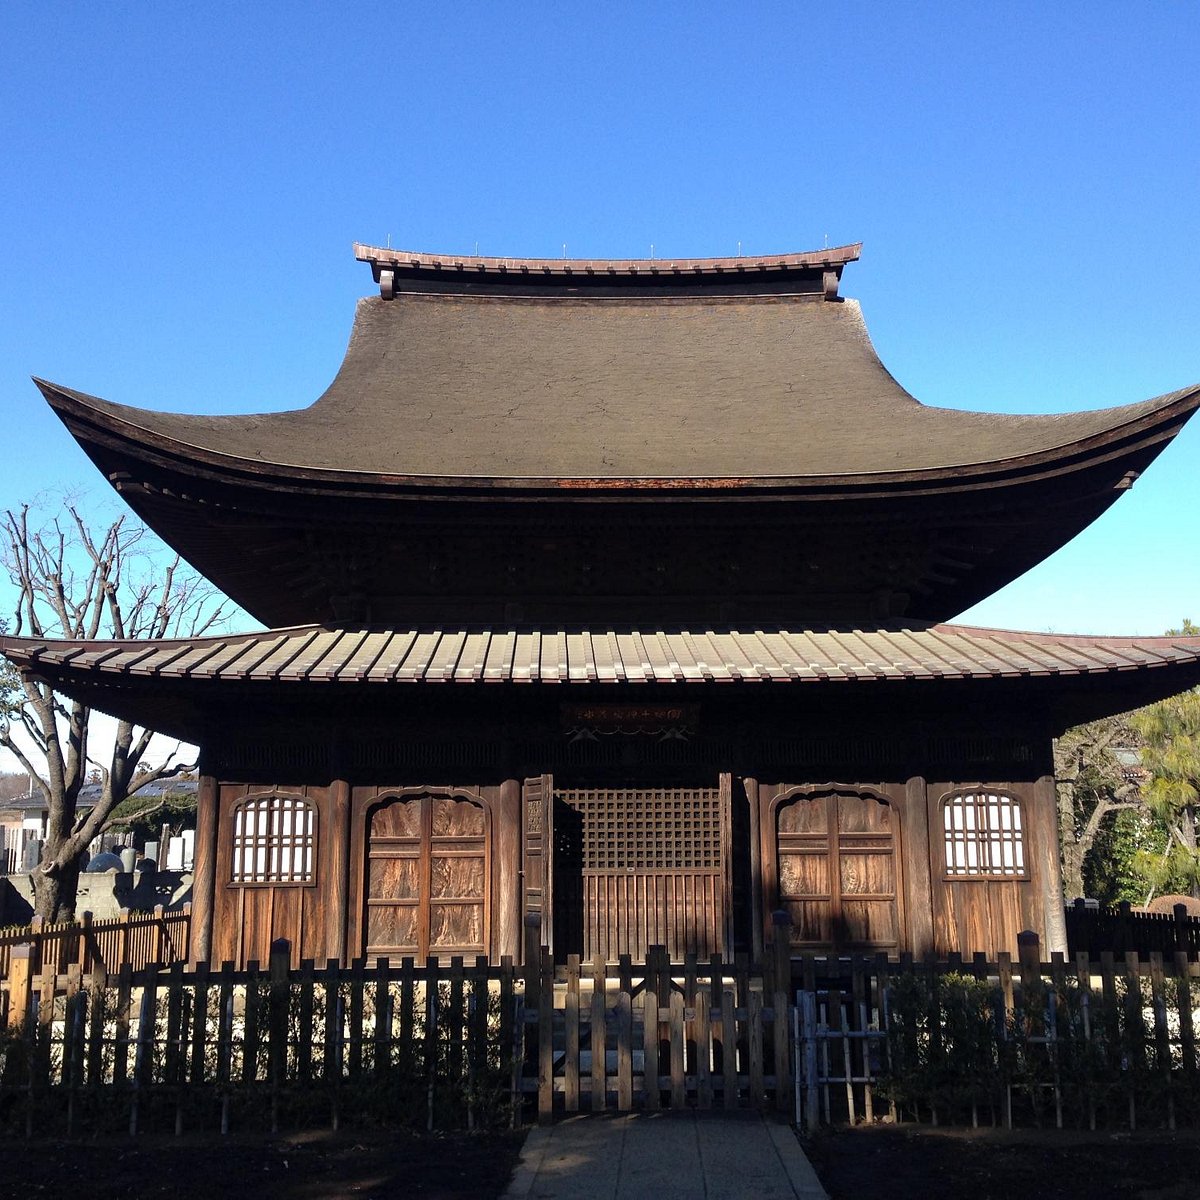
323 654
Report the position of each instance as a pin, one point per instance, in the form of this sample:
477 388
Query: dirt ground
363 1164
911 1163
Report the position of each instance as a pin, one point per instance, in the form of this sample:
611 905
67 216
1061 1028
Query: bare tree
73 583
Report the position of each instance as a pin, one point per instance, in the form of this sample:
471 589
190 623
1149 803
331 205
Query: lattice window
648 829
274 839
983 835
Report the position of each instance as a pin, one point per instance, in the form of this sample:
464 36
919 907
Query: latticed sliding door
837 859
641 867
427 877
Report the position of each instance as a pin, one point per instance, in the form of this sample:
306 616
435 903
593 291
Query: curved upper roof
510 387
724 445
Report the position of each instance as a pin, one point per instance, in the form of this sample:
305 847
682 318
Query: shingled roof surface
319 653
707 386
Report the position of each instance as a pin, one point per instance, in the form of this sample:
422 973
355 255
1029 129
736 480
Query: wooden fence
133 939
1065 1042
828 1040
1120 930
700 1034
429 1045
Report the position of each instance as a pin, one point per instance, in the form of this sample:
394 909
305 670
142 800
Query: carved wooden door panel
427 877
837 865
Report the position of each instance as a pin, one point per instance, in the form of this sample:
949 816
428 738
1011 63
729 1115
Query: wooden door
537 803
649 868
837 865
427 877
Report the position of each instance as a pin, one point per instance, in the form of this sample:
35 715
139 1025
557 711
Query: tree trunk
54 896
1072 848
1073 854
1187 830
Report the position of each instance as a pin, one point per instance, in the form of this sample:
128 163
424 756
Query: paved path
665 1156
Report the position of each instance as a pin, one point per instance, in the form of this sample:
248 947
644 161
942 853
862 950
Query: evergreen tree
1171 754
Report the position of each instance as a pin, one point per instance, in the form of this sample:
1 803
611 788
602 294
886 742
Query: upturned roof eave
130 431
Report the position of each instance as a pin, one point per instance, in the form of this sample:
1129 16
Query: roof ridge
497 264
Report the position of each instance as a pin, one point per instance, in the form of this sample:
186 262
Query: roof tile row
320 654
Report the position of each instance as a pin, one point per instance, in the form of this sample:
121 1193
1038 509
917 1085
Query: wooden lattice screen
638 867
661 829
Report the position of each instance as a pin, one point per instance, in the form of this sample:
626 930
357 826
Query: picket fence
823 1040
1120 929
701 1034
159 1048
1072 1042
133 939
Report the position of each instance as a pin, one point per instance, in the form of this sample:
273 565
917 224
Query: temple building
616 592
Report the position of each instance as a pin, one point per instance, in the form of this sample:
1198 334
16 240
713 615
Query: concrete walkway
666 1156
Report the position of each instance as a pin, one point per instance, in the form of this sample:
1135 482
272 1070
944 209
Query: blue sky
181 190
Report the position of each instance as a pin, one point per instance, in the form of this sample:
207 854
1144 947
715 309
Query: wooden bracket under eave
829 284
387 283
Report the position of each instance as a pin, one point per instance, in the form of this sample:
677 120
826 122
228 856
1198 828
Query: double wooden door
836 866
427 877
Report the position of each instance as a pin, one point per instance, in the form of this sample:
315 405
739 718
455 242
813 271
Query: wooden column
726 794
337 860
1045 799
507 873
204 868
756 870
918 867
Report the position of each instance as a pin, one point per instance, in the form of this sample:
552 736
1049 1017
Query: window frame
241 844
985 801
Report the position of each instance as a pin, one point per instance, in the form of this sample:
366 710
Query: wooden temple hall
616 592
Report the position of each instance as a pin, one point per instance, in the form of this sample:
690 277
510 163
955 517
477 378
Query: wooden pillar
918 865
337 907
204 868
1045 798
507 873
726 794
756 870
